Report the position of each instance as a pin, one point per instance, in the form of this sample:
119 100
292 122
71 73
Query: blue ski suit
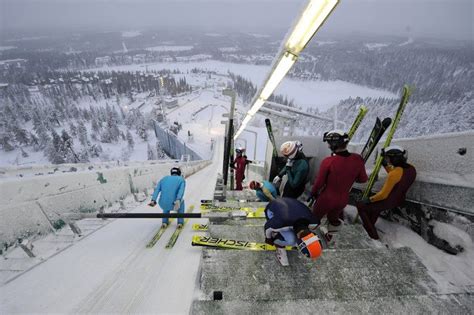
282 214
270 188
170 188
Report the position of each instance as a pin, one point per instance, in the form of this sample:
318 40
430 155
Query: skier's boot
180 226
282 256
164 225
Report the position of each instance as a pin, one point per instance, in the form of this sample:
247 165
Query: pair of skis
174 237
375 137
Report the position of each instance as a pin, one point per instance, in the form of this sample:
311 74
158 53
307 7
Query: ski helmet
240 150
397 154
336 138
309 246
175 171
290 148
254 184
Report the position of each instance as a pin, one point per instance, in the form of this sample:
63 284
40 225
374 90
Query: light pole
230 140
255 143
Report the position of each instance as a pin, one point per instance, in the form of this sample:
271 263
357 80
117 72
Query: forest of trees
54 120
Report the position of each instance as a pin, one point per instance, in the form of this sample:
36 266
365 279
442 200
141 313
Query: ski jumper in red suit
392 195
336 176
240 163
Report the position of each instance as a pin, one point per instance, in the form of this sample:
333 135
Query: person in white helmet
239 164
296 169
401 176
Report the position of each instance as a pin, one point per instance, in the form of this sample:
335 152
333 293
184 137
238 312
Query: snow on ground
373 46
200 115
229 49
214 35
409 41
320 94
256 35
131 33
170 48
111 271
453 273
322 42
6 47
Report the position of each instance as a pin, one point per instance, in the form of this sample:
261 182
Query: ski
378 163
225 208
223 243
177 232
207 201
358 120
205 227
375 136
259 214
268 124
157 236
200 227
175 235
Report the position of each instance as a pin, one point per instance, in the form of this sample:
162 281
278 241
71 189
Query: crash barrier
36 204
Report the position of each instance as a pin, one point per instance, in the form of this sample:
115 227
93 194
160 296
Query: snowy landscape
91 118
161 70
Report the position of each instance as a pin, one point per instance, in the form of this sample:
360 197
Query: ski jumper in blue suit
170 188
282 214
268 189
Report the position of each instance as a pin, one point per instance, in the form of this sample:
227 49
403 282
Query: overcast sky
417 18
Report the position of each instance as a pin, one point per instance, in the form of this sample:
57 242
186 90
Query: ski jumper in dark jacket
336 176
297 174
282 214
239 164
392 195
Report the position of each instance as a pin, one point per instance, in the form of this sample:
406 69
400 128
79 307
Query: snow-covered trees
150 152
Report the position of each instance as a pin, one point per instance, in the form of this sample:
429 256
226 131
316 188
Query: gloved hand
177 205
384 163
289 163
365 200
152 203
276 180
269 241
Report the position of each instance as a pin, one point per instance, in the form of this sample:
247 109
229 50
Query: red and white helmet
254 184
290 148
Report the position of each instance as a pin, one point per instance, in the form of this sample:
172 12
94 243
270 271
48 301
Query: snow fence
33 205
170 143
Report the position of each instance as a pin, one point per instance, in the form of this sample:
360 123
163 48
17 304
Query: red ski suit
335 178
239 163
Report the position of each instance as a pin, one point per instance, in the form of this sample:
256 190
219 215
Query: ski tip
386 121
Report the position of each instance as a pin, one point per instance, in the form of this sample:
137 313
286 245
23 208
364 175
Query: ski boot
164 225
282 256
179 226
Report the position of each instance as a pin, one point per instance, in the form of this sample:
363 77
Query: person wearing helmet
296 170
265 191
337 173
287 225
239 164
401 176
171 190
